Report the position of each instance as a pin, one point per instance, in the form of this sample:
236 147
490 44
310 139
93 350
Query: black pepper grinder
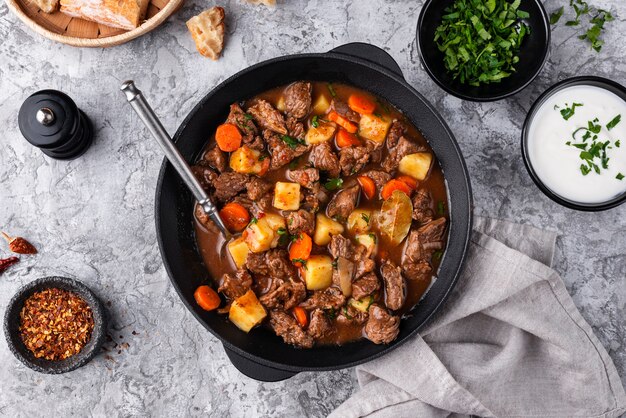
51 121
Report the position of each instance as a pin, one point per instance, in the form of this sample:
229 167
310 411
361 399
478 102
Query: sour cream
558 165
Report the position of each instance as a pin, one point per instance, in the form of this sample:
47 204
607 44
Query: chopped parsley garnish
481 39
334 263
331 313
291 141
593 33
262 157
302 261
314 121
346 314
247 116
437 255
333 184
556 16
331 89
372 236
617 143
619 176
294 164
254 220
613 123
568 112
365 218
441 207
281 231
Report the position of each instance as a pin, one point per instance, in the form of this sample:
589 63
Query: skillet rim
465 177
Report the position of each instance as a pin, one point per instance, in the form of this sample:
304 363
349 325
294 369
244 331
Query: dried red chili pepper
5 263
19 245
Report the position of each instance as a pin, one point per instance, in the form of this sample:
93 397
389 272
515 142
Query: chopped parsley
334 263
331 313
302 262
480 40
556 16
254 220
346 314
365 218
597 18
441 207
291 141
568 112
314 121
333 184
613 123
372 236
331 89
437 255
619 176
294 164
247 116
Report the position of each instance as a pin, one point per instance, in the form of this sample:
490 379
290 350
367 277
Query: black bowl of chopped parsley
483 50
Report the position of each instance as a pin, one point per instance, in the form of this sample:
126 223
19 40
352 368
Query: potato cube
321 104
324 228
247 312
318 272
287 196
368 241
322 133
359 221
416 165
275 222
259 236
363 304
374 128
280 104
246 160
238 250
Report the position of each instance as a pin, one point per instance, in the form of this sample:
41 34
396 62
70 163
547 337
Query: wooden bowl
83 33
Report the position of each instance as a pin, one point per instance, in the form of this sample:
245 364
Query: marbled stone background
92 218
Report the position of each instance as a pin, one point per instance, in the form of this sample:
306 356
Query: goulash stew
338 207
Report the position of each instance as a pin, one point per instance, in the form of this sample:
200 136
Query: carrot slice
265 166
343 122
393 185
346 139
235 216
368 186
228 137
301 316
361 104
410 181
207 298
300 249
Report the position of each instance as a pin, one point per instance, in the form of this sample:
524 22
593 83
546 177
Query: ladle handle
152 122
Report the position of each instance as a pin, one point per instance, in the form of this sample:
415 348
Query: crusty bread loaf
265 2
47 6
124 14
207 30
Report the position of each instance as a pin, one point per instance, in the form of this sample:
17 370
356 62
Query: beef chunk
295 128
421 271
395 286
312 199
205 221
343 202
298 99
380 178
216 159
301 221
254 142
422 242
323 158
235 285
350 315
257 188
344 110
341 246
284 294
307 177
375 151
319 325
422 203
267 117
330 298
365 286
243 121
404 147
229 184
273 263
396 131
381 327
205 175
244 201
353 159
364 264
286 326
281 153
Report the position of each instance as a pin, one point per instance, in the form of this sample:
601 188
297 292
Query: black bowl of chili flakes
55 325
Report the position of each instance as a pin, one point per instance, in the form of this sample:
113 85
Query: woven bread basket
83 33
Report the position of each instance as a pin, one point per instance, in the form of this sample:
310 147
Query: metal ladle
149 118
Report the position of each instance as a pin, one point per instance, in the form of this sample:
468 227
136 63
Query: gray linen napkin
508 342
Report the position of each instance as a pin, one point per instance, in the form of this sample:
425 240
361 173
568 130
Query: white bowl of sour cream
574 143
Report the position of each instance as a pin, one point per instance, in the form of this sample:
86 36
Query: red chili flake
55 324
5 263
19 245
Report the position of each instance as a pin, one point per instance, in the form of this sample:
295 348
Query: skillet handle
257 371
370 53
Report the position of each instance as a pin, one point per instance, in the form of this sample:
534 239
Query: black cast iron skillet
261 354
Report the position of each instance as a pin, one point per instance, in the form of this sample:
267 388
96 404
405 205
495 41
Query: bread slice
207 30
265 2
47 6
124 14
